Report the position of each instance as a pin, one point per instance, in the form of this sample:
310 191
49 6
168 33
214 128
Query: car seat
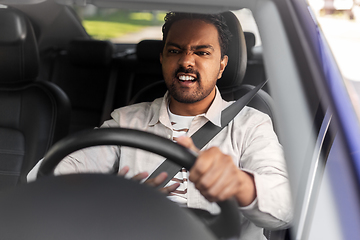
255 69
147 82
34 114
231 84
84 71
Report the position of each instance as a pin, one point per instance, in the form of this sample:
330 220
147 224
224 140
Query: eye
174 51
202 53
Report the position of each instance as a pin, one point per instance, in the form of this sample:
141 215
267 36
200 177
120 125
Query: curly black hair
216 19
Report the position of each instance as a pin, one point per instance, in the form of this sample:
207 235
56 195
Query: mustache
187 70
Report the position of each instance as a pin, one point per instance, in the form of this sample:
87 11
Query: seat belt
110 92
207 132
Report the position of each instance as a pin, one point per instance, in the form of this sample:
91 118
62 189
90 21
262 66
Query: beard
186 95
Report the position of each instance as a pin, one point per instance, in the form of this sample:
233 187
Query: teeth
186 78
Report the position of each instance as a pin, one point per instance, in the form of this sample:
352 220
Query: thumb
188 143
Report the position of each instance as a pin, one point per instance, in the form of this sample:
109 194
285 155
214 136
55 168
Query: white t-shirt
180 126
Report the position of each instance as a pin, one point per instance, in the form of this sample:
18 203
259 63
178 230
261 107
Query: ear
223 65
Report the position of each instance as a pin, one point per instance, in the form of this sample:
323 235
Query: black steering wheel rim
115 136
224 225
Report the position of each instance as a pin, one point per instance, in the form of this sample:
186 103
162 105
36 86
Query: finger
140 176
209 197
218 172
169 189
123 171
204 181
188 143
203 163
227 184
227 192
154 182
223 188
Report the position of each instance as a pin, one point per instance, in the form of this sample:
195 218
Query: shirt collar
213 114
161 115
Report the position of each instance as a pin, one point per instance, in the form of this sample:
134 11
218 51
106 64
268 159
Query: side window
335 207
329 194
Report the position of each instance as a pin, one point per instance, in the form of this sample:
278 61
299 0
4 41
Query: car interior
80 83
88 67
37 111
97 76
58 81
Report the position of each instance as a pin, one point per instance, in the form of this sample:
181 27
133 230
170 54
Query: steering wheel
224 225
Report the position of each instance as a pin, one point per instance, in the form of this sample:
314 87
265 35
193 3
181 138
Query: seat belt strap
207 132
110 93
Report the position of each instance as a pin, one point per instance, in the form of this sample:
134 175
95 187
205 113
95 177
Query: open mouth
186 78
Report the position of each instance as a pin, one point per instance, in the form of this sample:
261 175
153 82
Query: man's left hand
153 182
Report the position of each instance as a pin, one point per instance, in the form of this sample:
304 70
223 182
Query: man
244 160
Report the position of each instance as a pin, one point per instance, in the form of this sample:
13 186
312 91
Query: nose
187 60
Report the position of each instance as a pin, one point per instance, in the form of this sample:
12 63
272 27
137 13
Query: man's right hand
153 182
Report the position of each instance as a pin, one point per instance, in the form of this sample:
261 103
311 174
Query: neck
191 109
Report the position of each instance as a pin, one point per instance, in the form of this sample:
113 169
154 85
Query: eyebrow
202 46
197 47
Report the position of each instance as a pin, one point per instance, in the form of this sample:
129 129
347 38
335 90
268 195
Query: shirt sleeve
263 157
99 159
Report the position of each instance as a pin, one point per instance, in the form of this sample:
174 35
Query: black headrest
234 72
89 52
19 59
149 50
249 39
250 43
